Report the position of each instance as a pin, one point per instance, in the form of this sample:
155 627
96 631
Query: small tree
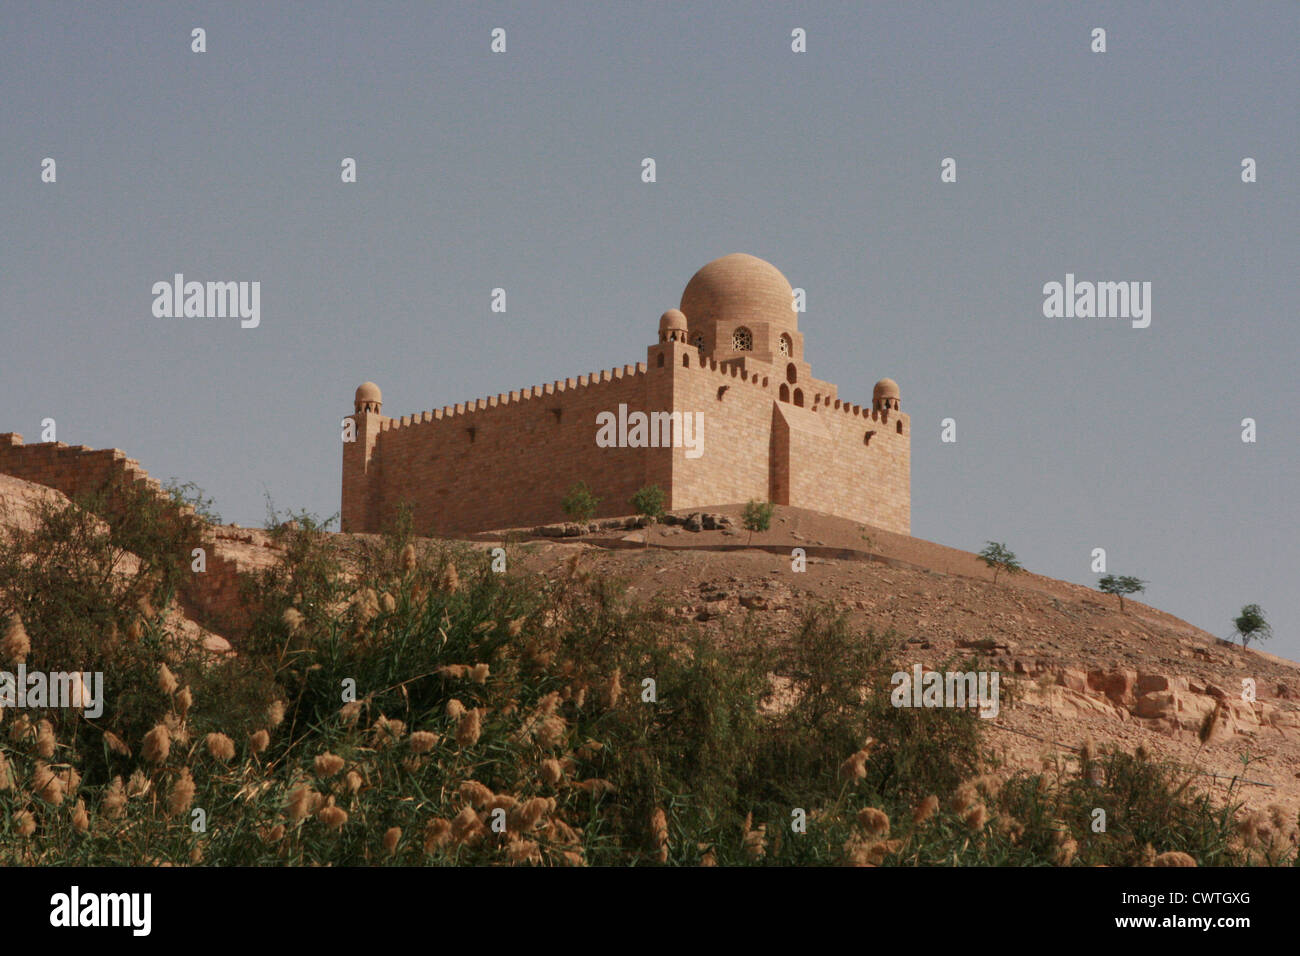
757 516
649 501
1000 558
580 504
1121 585
1251 624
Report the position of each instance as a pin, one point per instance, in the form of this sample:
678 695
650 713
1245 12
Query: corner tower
360 478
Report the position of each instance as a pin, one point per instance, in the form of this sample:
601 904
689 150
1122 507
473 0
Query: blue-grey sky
523 170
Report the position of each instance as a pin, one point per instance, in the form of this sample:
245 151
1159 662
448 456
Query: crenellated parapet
730 361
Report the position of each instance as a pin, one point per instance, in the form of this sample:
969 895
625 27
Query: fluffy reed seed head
1064 853
47 784
303 800
15 645
976 817
167 682
874 821
327 764
24 823
393 835
333 817
422 741
275 713
182 793
474 793
925 809
293 620
450 579
157 744
520 852
113 805
614 688
469 728
220 746
551 771
45 742
659 834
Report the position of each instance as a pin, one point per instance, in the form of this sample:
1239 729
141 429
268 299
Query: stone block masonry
212 597
732 355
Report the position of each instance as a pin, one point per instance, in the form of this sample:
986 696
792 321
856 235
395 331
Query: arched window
786 346
742 340
686 360
785 393
798 397
791 373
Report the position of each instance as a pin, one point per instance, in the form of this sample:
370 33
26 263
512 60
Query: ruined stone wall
211 597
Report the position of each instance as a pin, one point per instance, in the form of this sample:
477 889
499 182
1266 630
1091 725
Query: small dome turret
368 399
672 326
885 395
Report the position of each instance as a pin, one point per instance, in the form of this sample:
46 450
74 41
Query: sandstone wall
508 461
816 456
212 598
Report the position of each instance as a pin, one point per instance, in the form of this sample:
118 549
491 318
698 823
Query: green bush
649 501
580 504
757 516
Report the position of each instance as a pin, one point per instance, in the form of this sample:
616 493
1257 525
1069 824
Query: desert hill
1077 667
1074 667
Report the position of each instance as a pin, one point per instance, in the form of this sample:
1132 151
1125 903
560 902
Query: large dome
739 288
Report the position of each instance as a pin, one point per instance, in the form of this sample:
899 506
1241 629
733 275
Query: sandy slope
1082 668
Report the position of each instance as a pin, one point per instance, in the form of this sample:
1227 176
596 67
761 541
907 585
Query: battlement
729 370
731 361
516 397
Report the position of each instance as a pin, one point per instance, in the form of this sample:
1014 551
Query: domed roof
672 321
885 388
739 287
369 392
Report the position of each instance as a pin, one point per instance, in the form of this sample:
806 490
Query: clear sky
522 170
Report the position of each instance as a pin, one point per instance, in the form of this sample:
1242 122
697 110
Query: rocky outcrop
1170 703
